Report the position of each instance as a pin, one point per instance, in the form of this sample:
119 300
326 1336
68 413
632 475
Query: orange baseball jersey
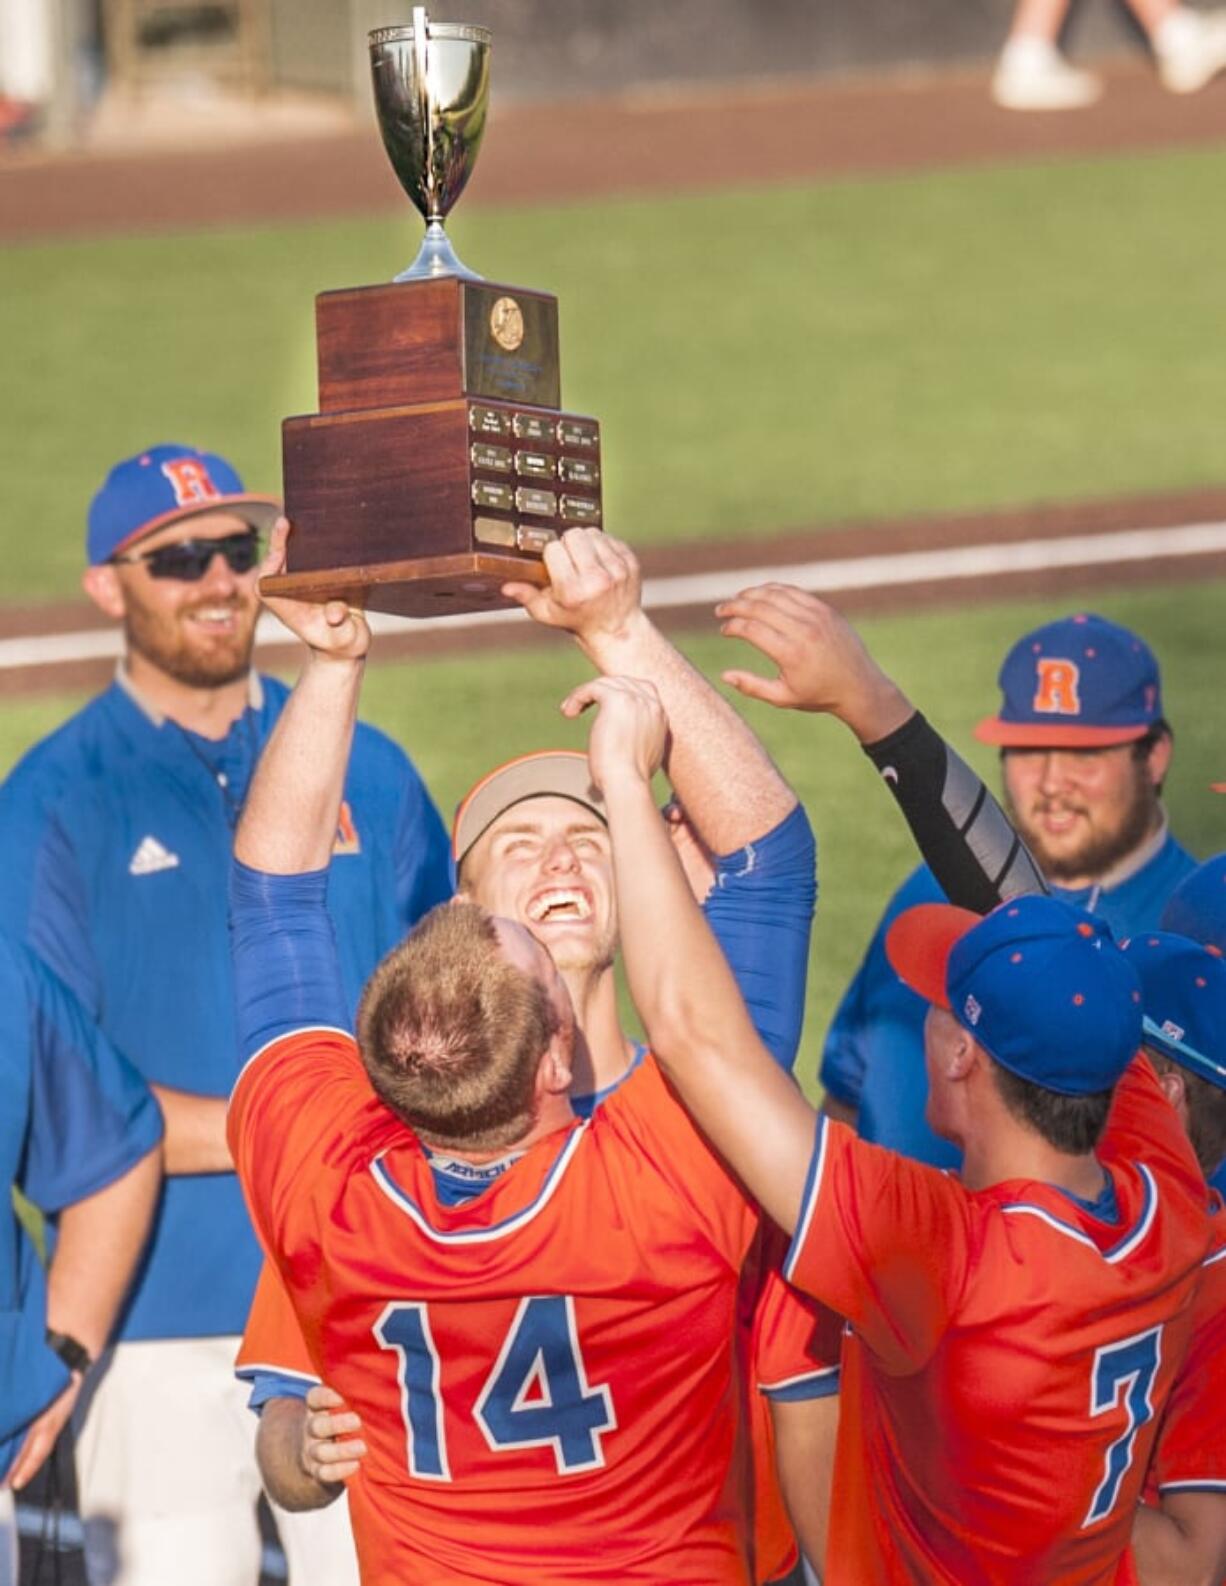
1190 1452
546 1375
776 1335
1010 1351
794 1355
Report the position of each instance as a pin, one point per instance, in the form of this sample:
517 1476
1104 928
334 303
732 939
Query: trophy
440 464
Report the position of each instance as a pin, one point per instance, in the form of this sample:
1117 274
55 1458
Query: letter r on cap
190 481
1058 692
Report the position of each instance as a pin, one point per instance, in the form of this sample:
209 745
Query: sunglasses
188 560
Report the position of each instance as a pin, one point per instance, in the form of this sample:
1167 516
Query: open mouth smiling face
546 862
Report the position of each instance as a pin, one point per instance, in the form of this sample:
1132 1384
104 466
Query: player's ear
103 587
1158 760
1175 1091
555 1071
962 1054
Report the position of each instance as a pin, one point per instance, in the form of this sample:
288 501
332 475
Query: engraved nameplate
578 509
578 471
489 421
488 494
496 458
532 427
534 465
580 433
538 503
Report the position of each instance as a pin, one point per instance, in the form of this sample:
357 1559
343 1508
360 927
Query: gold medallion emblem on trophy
439 465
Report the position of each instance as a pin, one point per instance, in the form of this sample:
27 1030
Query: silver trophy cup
432 89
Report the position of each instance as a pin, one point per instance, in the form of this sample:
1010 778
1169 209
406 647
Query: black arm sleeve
962 832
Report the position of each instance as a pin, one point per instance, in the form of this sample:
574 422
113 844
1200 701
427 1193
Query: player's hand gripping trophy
440 465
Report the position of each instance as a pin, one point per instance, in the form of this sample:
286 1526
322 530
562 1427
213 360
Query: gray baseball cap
550 773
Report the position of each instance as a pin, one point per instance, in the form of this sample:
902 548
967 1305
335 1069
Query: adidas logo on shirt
150 856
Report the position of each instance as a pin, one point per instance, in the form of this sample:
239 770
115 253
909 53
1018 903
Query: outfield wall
565 47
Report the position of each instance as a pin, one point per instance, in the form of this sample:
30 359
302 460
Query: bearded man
118 829
1085 750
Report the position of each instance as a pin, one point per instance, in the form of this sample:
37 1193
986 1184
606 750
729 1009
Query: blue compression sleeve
761 911
286 970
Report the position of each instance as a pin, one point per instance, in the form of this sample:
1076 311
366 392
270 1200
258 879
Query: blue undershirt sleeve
424 872
286 968
92 1117
761 911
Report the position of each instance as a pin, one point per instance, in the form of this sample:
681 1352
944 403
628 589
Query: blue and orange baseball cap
1079 683
1197 907
1040 985
1183 995
161 486
550 773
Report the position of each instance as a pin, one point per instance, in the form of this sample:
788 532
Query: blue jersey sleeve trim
273 1382
813 1187
823 1384
761 911
286 968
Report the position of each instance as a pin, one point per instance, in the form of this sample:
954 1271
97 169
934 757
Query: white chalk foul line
835 575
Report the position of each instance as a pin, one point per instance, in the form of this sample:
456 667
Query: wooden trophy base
439 466
438 586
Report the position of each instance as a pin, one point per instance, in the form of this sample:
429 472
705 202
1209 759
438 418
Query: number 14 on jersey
536 1395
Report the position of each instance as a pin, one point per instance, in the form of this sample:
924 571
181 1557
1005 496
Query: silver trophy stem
436 257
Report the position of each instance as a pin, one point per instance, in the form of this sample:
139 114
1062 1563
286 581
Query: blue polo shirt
874 1054
121 825
73 1117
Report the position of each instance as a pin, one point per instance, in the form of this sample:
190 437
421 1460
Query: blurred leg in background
1033 73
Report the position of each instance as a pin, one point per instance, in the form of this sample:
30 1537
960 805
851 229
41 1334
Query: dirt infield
737 136
80 624
746 135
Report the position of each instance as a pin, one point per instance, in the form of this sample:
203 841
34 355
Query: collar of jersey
464 1225
1129 1238
123 681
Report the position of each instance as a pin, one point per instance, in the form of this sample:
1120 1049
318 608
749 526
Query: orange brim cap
919 943
549 773
1054 735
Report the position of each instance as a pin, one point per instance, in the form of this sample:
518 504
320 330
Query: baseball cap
1040 985
161 486
555 773
1197 907
1183 995
1079 683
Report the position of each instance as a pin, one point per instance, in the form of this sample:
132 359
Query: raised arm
730 788
288 823
745 843
961 831
287 975
695 1018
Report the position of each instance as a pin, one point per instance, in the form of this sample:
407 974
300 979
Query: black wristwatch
73 1353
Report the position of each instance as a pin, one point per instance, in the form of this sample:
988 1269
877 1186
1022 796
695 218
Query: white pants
167 1478
8 1539
26 49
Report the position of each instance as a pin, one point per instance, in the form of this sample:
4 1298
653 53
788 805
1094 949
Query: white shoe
1191 49
1033 75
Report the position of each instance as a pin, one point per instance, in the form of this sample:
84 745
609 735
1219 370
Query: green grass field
459 717
918 344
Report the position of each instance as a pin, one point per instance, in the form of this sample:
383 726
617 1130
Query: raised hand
822 663
594 587
330 1452
331 628
629 733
